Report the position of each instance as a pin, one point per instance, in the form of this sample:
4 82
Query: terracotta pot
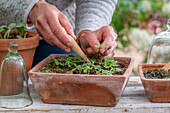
82 89
26 47
158 90
12 80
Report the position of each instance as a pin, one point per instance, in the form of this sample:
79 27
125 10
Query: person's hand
104 36
49 21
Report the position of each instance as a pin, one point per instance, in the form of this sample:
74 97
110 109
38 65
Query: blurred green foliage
128 13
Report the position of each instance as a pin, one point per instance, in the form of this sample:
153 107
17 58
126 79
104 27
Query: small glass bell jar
14 92
160 49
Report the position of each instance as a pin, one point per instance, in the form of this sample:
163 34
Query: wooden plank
133 100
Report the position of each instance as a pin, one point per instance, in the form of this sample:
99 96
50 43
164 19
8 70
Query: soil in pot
157 74
75 65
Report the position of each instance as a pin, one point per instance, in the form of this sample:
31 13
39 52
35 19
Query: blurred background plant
137 22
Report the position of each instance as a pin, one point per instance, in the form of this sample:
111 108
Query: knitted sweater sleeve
93 14
15 10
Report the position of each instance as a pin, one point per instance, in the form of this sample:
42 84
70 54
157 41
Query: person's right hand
49 21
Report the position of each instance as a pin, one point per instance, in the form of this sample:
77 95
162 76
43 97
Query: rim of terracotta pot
43 62
155 66
24 43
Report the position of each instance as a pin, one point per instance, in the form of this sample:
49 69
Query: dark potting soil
75 65
14 36
157 74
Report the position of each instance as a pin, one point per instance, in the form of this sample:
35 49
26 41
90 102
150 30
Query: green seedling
157 74
20 27
166 78
99 46
39 71
58 69
71 72
48 71
43 68
106 67
7 30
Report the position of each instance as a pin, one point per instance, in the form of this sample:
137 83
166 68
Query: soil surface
119 68
157 74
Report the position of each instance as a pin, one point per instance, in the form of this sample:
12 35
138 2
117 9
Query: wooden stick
75 48
166 67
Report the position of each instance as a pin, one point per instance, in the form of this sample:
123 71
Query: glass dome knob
12 47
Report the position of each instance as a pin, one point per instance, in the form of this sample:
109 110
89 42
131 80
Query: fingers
40 31
111 49
49 21
107 42
48 36
105 35
65 24
92 40
109 36
40 28
57 30
109 56
84 49
90 51
109 52
87 40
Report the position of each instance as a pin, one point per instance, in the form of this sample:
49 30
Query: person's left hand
104 36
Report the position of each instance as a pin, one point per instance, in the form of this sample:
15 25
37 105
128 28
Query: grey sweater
82 14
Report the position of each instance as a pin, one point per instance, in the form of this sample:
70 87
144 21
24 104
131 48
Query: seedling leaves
20 27
102 46
11 26
96 46
4 27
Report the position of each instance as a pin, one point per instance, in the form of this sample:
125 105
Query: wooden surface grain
133 100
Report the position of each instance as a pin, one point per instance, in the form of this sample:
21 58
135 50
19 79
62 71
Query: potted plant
156 82
26 40
67 79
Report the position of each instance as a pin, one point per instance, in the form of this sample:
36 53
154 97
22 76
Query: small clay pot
82 89
26 47
158 90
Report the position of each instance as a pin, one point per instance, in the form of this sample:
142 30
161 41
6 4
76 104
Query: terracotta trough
81 89
158 90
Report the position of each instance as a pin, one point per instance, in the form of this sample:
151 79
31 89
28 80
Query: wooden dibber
166 67
75 48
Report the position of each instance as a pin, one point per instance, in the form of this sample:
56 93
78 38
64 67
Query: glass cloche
160 49
14 92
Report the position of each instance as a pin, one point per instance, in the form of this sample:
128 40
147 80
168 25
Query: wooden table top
133 100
